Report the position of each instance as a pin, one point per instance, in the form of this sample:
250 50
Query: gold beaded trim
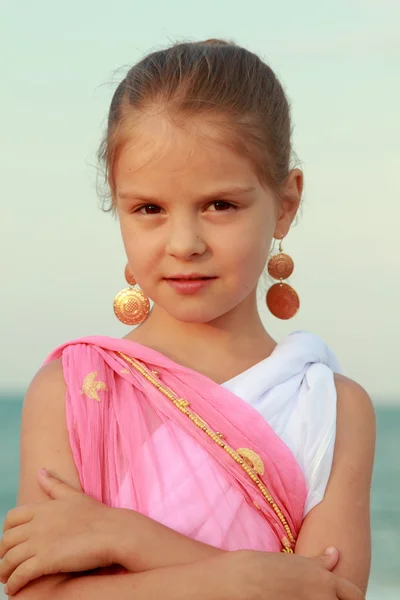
217 437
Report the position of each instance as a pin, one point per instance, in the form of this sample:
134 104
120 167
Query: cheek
141 248
249 248
249 262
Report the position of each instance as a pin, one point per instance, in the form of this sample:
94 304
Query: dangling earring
282 299
131 306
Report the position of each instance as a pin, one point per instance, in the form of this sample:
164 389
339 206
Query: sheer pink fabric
134 449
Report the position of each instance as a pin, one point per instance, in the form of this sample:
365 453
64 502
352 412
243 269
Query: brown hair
212 77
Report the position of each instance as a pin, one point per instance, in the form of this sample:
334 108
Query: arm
197 581
241 575
45 442
343 517
235 575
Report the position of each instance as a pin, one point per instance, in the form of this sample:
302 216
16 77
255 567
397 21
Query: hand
250 575
70 533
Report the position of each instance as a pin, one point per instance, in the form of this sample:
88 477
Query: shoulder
355 430
44 432
47 388
49 375
45 396
354 405
342 519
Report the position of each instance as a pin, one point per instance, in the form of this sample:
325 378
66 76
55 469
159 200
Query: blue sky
59 253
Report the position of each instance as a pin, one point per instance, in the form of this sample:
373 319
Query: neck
239 337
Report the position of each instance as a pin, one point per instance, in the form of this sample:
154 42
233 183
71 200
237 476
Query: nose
185 239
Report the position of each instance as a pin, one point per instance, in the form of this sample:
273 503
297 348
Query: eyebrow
233 191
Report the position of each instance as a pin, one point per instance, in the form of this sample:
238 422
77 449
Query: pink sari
153 436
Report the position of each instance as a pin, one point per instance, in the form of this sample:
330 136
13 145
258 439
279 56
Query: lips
192 276
189 284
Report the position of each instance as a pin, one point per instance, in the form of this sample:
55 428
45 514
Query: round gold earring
282 300
131 306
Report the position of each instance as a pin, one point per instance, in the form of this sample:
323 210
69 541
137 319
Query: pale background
61 258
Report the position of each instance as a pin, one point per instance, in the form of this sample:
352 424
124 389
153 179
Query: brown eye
221 205
149 209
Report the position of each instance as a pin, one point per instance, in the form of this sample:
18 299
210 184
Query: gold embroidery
252 459
199 422
124 371
90 387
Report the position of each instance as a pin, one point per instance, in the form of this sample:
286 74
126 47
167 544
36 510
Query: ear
289 202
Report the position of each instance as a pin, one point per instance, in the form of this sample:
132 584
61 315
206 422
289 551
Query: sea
385 573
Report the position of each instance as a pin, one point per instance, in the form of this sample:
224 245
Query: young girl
196 458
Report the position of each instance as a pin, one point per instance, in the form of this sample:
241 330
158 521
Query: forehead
195 153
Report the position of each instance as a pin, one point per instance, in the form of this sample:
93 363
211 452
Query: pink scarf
135 448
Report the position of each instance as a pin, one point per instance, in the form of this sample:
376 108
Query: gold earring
282 300
131 306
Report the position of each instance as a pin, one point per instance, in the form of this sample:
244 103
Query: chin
194 314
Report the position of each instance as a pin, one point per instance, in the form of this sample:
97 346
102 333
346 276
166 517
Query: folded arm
196 582
45 442
342 519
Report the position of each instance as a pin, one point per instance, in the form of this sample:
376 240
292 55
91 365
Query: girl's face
190 207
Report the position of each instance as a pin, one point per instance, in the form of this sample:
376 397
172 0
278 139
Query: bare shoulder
355 436
345 385
44 433
354 406
44 403
49 377
342 519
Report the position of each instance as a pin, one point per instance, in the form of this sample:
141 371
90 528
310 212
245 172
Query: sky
61 257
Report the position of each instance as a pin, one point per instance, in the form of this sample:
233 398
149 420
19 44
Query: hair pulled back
212 78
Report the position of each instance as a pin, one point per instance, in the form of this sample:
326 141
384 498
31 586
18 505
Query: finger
13 559
13 537
26 572
54 487
18 516
348 591
329 559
